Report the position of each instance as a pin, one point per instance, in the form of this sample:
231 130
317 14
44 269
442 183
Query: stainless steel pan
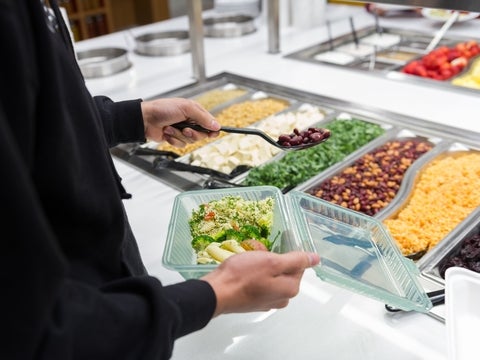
102 62
229 26
166 43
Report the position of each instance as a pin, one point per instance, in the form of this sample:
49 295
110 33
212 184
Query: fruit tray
401 55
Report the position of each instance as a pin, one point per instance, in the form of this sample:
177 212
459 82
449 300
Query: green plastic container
356 251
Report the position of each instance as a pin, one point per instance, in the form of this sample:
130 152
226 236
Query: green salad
232 218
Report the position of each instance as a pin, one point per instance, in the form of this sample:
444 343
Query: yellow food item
397 55
471 78
447 191
233 246
217 253
216 97
236 115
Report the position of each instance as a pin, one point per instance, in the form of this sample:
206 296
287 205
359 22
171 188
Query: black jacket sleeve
122 121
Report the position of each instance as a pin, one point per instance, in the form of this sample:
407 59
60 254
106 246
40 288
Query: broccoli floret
200 242
253 232
232 234
264 231
250 232
219 236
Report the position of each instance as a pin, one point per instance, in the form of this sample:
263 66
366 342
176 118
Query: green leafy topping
200 242
347 135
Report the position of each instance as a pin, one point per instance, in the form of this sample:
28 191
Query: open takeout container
356 251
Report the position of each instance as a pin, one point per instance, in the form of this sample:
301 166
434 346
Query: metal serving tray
240 179
414 42
443 150
243 111
224 148
430 265
394 134
187 181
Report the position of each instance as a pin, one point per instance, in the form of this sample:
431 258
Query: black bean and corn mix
372 181
347 135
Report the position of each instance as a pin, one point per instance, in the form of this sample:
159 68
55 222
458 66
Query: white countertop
323 321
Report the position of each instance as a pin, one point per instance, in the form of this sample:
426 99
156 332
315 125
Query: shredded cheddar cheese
447 191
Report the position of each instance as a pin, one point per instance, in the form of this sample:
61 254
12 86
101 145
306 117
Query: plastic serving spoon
323 134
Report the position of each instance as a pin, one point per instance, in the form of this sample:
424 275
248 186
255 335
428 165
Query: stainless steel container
229 26
102 62
166 43
432 265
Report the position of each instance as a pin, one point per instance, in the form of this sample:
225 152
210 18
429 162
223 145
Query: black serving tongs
163 163
155 152
257 132
437 297
144 149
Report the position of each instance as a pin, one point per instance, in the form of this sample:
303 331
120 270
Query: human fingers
197 114
278 276
296 261
275 279
288 271
186 135
274 288
159 115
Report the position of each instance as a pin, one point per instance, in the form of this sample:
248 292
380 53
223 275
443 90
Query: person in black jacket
73 282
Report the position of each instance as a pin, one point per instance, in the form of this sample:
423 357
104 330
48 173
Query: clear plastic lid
356 252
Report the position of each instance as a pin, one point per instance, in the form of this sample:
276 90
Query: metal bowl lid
165 43
102 62
229 26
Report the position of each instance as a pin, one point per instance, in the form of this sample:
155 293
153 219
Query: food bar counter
323 321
